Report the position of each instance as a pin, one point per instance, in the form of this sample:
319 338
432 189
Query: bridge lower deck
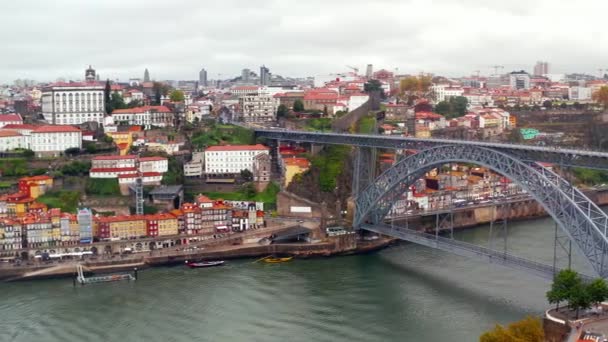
467 250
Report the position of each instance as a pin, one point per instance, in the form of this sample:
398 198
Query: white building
232 159
115 166
245 90
10 140
194 168
579 94
54 140
146 116
258 108
444 91
198 111
45 140
10 119
356 100
73 103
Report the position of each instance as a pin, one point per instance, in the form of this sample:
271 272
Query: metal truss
564 157
364 168
582 221
467 250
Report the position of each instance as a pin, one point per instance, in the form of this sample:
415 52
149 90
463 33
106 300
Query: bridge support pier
364 170
499 217
563 242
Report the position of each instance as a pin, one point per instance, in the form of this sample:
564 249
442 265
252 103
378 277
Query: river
403 293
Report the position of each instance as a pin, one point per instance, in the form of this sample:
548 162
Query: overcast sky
48 39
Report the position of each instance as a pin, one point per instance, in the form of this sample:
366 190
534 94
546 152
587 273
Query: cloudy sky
48 39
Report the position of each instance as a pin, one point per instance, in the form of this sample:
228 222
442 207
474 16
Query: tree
159 89
515 136
135 103
325 113
27 153
597 290
563 105
248 190
423 106
90 148
298 106
579 297
282 111
374 86
106 97
601 96
547 104
529 329
246 175
177 96
72 151
563 284
117 102
107 139
442 108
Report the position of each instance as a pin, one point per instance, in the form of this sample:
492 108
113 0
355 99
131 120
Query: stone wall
555 332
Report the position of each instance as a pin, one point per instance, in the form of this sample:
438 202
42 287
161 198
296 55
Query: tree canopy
568 286
298 106
177 96
282 111
601 96
529 329
452 108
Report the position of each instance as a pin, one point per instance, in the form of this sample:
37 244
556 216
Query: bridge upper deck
561 156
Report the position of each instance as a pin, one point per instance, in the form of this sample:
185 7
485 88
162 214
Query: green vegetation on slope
319 124
13 167
102 186
590 176
246 193
330 163
66 200
367 124
227 134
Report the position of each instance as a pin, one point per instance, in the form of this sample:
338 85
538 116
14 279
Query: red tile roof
130 156
20 126
257 147
144 159
113 169
10 118
141 110
56 129
6 133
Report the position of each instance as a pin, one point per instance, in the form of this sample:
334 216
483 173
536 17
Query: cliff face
307 186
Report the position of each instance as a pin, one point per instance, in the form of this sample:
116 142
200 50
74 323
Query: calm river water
403 293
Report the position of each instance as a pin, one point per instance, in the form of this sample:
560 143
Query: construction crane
356 70
496 67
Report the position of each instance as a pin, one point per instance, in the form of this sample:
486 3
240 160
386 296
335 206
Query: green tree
90 148
248 190
460 105
372 85
547 104
72 151
515 136
529 329
106 97
135 103
282 111
27 153
442 108
563 284
177 96
298 106
597 290
579 297
107 139
117 102
563 105
247 175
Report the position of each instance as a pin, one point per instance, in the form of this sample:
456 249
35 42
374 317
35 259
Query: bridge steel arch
583 222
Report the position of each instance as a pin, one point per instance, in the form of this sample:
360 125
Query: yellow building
122 227
161 225
294 166
422 131
123 141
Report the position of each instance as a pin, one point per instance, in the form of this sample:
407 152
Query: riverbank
336 246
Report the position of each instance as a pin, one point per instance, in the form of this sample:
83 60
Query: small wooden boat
204 264
272 260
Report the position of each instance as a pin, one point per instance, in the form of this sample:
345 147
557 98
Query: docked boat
204 264
272 260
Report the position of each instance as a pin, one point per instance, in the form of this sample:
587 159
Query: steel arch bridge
578 217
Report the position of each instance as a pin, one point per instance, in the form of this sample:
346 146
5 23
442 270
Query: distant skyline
45 40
